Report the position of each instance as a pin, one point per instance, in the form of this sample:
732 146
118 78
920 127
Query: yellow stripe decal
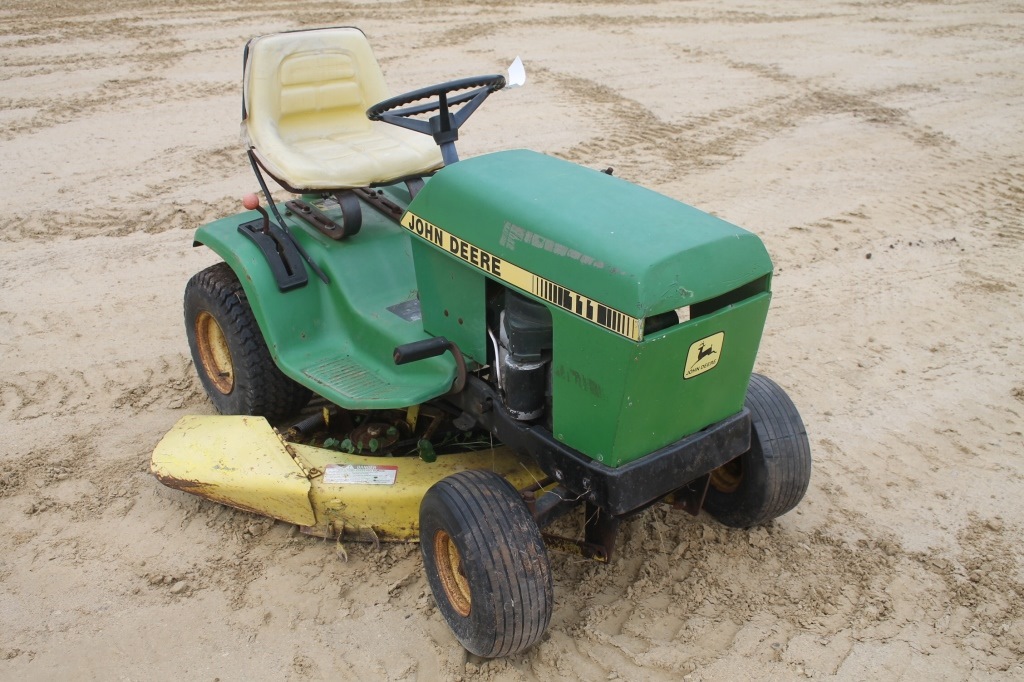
567 299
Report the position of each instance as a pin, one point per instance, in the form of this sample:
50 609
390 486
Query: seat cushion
306 96
343 160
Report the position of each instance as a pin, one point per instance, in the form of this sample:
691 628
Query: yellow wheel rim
214 353
453 577
726 478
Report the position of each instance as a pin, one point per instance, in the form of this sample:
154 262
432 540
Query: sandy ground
876 147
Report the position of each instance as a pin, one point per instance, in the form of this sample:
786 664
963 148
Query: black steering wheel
444 126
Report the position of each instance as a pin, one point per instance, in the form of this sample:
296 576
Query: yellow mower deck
244 463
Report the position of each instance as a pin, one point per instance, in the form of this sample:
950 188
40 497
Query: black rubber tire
501 562
771 478
255 385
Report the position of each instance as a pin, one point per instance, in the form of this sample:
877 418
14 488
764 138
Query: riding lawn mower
460 352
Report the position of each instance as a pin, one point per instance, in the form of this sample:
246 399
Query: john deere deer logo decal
704 355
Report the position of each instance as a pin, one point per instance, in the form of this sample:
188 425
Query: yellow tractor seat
305 96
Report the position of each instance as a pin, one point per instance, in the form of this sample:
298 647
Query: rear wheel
486 563
230 355
771 478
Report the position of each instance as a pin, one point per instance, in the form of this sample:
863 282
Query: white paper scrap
516 74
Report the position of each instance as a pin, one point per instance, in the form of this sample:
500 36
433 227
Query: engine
524 356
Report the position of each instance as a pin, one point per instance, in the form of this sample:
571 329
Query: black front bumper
620 490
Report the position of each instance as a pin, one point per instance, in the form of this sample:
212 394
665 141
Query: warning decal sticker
704 355
567 299
360 474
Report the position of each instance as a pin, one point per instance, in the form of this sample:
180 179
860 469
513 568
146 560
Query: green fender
337 339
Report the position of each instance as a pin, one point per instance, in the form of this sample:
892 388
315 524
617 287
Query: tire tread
494 526
261 388
780 454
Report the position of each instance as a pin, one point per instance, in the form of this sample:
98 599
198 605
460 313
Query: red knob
251 201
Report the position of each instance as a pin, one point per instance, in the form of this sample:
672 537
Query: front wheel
229 352
486 563
771 478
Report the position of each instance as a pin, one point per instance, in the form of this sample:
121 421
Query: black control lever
431 348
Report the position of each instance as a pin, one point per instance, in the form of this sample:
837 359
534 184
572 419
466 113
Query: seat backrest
305 84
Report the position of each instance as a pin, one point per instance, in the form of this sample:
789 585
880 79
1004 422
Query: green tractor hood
624 246
606 257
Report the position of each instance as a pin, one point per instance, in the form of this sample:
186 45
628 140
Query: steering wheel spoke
402 110
427 107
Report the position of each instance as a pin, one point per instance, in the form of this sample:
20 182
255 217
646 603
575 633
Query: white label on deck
360 474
